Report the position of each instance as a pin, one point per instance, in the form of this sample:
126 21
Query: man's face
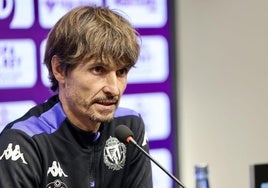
91 91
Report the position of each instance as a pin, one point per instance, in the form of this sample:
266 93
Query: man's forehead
108 63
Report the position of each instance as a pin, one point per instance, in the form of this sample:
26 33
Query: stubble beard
102 118
96 116
88 109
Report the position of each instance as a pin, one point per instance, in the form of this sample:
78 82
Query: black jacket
43 149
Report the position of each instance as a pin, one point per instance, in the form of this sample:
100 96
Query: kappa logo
56 170
114 154
13 154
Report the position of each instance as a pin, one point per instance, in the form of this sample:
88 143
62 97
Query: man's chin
103 117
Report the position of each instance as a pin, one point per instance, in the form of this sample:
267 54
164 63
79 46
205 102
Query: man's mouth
107 102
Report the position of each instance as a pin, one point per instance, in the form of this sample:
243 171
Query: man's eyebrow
98 63
108 65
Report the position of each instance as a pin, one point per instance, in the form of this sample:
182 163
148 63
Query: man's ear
57 70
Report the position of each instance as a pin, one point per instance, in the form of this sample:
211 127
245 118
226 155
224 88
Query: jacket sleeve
19 164
140 172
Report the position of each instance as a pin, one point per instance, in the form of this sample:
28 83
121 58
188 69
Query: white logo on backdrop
7 9
163 155
155 110
44 71
17 63
151 14
153 63
51 11
22 13
9 111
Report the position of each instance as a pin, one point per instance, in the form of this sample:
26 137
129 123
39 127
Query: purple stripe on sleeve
48 122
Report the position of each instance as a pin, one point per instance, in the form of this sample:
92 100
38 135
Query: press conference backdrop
24 25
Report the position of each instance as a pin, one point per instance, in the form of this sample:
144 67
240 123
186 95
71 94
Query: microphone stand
159 165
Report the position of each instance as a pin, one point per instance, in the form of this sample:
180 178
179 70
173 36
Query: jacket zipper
92 174
91 170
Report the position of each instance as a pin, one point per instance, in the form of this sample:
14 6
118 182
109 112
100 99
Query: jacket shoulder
121 112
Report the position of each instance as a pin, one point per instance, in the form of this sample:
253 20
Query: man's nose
111 85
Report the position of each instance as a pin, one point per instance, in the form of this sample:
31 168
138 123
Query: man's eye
122 72
98 69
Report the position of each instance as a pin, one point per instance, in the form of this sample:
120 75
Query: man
69 141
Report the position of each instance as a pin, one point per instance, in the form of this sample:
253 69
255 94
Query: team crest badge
56 184
114 154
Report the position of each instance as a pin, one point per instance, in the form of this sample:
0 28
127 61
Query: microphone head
122 133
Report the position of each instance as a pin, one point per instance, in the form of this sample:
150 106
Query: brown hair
87 32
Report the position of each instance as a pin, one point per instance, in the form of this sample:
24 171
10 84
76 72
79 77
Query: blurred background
200 82
223 93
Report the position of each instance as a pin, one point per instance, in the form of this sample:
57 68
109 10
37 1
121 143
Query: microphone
124 134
